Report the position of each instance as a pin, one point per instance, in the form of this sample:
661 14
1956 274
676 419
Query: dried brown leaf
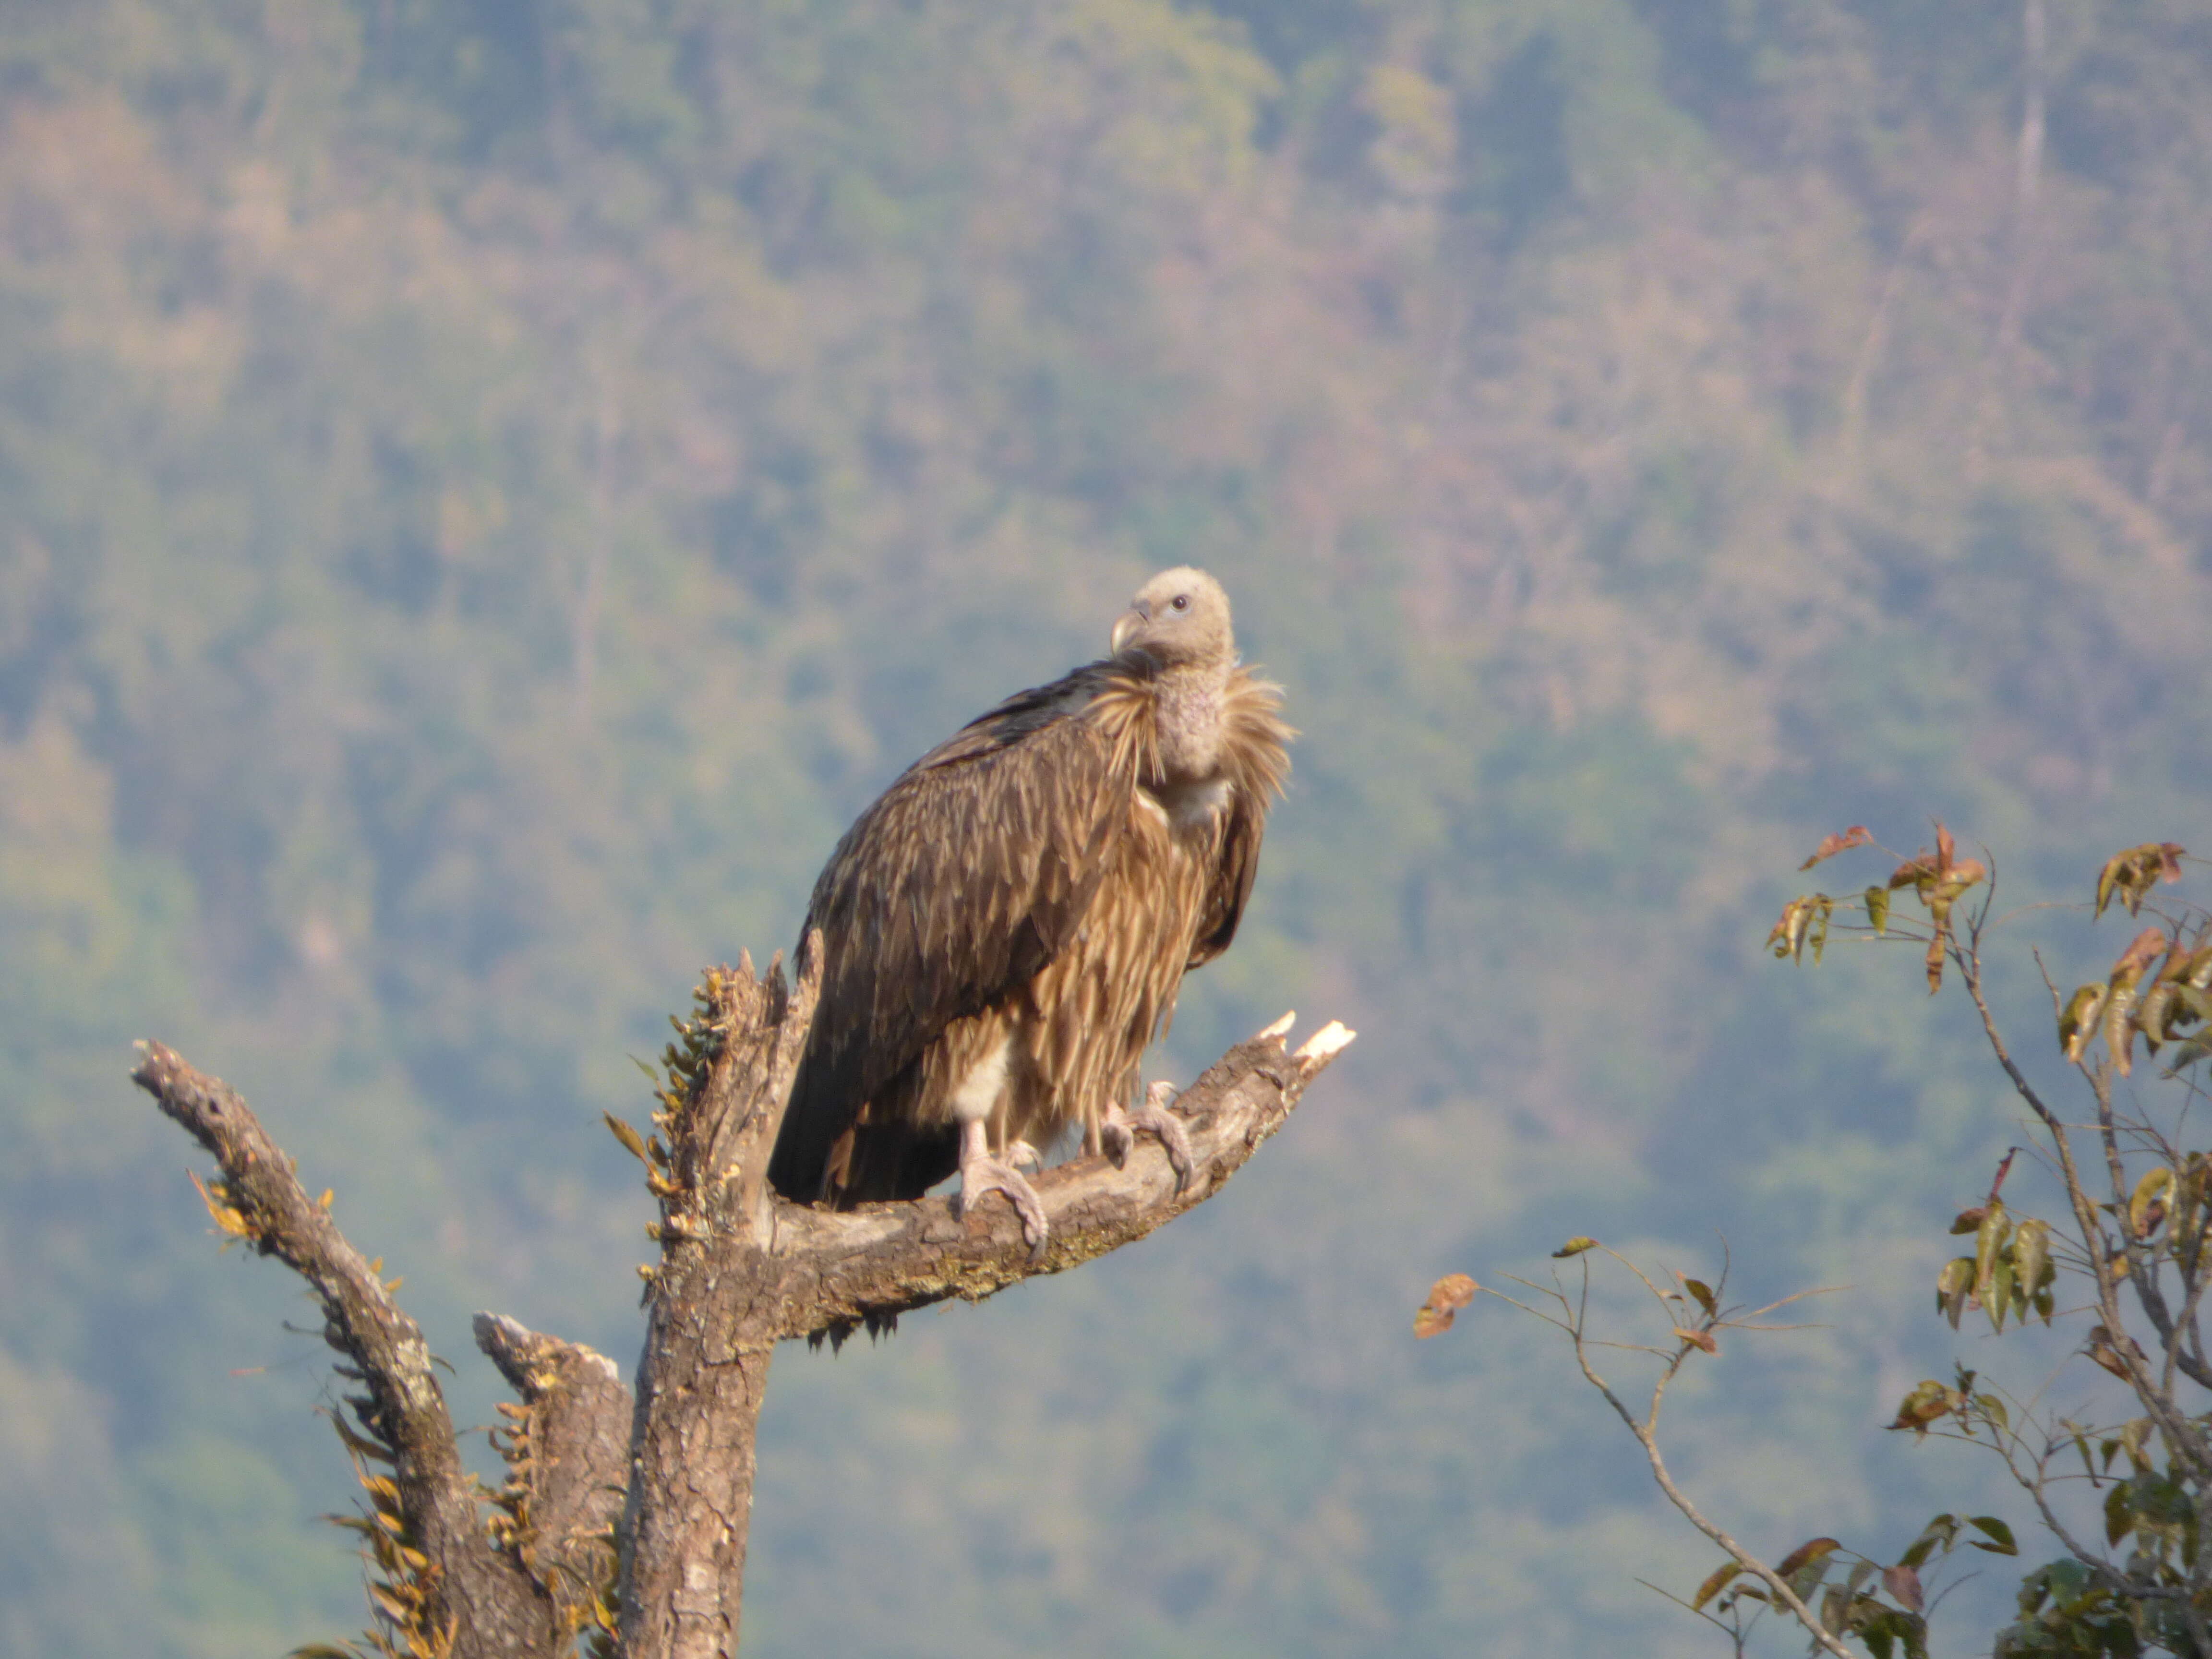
1929 1402
629 1137
1449 1294
1812 1550
1903 1584
2104 1353
1913 872
2143 950
1722 1577
1453 1290
1856 836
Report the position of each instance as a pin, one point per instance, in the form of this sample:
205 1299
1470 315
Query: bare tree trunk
523 1571
705 1369
692 1499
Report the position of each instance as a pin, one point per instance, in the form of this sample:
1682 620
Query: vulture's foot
981 1173
1023 1156
1117 1134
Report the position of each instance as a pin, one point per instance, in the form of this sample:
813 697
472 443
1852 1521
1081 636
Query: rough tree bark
628 1519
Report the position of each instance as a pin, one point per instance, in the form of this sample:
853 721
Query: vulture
1005 929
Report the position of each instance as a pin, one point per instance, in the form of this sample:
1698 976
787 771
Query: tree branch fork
624 1514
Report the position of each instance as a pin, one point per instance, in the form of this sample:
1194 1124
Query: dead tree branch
522 1571
472 1595
567 1454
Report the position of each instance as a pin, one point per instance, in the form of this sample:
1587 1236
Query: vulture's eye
1181 601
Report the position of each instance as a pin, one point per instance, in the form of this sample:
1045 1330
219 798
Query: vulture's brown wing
1255 761
1229 884
964 879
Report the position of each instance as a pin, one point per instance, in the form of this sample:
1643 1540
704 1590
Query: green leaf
2108 882
2129 876
1997 1301
1575 1246
1989 1239
2155 1189
2154 1018
2078 1024
2082 1445
1952 1286
1877 908
1790 934
2030 1260
1996 1530
1704 1294
2120 1030
1881 1627
2189 1053
2121 1006
2135 1441
1940 1531
1835 1610
2119 1516
2197 972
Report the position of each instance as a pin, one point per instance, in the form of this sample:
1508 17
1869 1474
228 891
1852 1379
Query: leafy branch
2138 1214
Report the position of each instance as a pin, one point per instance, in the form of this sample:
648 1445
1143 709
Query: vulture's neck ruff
1189 715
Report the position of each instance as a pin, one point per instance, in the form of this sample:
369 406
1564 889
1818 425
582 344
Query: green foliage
2131 1240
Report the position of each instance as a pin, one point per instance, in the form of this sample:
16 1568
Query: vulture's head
1180 618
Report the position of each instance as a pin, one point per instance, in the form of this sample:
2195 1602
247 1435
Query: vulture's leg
981 1173
1118 1133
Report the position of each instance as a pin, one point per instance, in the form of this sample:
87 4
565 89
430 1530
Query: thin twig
1649 1440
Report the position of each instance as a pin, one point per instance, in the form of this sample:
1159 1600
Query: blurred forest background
487 487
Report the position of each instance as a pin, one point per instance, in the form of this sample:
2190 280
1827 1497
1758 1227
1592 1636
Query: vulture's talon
981 1173
1020 1155
1118 1133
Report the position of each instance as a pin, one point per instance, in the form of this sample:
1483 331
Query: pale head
1180 618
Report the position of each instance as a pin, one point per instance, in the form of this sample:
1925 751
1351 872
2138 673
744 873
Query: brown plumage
1005 929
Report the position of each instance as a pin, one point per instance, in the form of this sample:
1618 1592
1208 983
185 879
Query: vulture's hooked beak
1132 619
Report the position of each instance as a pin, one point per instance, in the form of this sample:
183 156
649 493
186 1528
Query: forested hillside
488 489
